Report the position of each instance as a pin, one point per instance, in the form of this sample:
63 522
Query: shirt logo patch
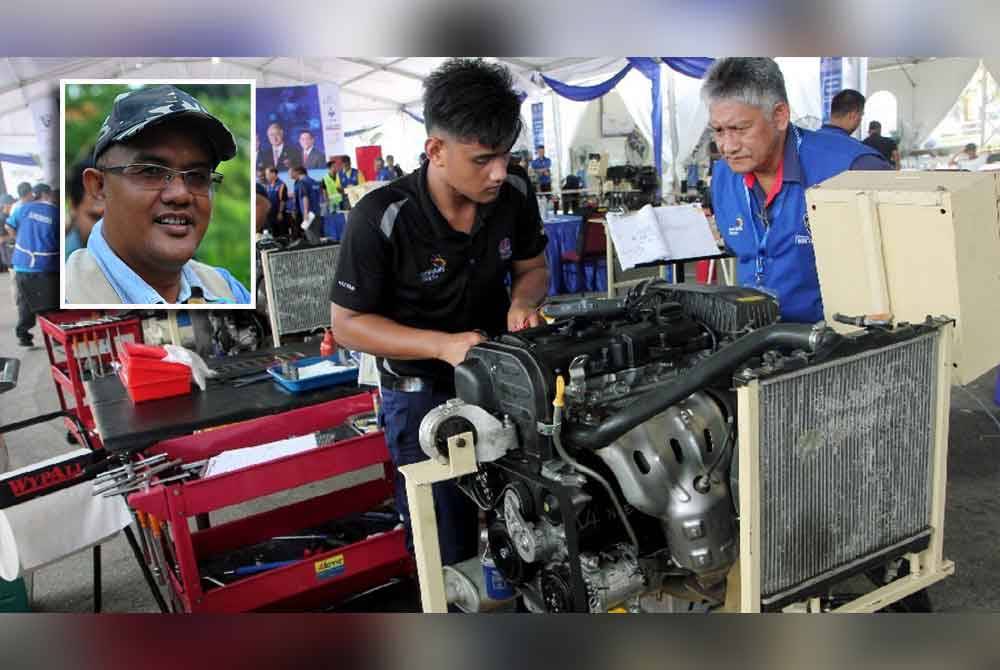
438 266
349 287
505 249
803 239
738 228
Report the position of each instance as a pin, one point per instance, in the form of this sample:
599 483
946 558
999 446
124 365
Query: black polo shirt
883 145
399 258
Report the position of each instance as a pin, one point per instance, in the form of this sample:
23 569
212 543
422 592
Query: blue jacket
36 248
779 258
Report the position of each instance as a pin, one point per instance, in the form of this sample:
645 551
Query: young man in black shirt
423 261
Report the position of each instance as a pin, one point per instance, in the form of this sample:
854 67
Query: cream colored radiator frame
926 567
423 520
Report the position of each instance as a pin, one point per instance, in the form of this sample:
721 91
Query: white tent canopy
376 91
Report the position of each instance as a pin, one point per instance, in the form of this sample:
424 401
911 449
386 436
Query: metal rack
80 346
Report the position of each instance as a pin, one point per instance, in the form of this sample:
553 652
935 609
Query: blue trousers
457 516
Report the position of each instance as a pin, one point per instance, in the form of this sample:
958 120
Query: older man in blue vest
758 188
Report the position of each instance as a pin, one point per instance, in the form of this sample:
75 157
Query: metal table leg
130 536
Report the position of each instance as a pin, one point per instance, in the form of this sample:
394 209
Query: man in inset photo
155 173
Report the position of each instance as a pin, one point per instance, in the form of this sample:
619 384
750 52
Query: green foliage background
227 242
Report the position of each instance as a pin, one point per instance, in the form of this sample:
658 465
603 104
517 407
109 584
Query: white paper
636 237
321 368
234 459
668 233
50 527
686 231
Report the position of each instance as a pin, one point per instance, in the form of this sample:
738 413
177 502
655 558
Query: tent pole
672 107
557 129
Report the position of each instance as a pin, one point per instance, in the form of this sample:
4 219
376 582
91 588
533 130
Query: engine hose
724 361
557 441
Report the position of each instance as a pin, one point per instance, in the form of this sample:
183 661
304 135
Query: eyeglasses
199 181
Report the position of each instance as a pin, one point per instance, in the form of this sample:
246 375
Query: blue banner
289 128
538 124
831 78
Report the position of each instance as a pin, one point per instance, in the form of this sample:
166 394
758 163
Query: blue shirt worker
307 200
382 173
758 189
348 176
35 261
542 168
155 160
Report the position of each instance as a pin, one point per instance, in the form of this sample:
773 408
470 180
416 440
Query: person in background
278 219
6 239
24 195
758 190
311 156
84 210
262 206
390 162
884 145
307 201
382 173
423 263
846 110
542 168
331 187
348 176
968 158
35 225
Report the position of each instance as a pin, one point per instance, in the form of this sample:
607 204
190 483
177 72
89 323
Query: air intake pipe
778 336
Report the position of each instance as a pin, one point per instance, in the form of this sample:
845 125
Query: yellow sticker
329 567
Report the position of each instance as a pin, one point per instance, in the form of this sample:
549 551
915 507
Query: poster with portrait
298 126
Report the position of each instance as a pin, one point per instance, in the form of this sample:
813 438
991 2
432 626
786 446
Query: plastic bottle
328 346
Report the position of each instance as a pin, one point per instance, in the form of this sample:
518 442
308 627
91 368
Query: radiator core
845 463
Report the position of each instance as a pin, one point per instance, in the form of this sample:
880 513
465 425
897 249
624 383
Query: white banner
45 112
332 119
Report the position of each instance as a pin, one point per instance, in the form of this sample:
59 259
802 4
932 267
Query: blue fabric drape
651 69
692 67
585 93
19 159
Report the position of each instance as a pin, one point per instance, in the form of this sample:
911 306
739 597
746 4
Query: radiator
845 465
298 288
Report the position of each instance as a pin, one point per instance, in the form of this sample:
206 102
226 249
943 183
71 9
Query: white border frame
179 81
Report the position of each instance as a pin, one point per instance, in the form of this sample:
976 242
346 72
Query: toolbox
188 563
146 376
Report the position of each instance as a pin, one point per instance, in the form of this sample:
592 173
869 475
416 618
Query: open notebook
676 232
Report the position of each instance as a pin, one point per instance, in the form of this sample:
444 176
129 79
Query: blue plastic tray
321 381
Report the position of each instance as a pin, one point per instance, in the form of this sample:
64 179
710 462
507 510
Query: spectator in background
84 210
307 203
390 162
262 205
542 168
35 225
968 158
24 195
884 145
6 240
331 187
348 176
311 156
278 219
846 110
382 173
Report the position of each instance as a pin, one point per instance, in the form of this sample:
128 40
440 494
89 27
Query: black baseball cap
135 111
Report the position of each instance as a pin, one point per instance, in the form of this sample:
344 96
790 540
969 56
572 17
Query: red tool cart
82 344
320 579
